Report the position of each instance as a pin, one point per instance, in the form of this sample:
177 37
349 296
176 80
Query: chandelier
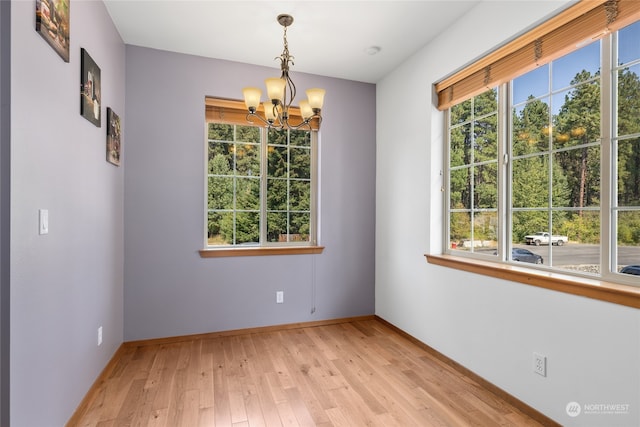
281 92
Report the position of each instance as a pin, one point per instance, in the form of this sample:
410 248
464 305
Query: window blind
220 110
580 24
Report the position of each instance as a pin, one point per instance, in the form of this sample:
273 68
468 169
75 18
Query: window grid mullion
264 158
608 157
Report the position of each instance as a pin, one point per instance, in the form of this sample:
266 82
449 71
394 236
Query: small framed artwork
52 22
113 137
89 89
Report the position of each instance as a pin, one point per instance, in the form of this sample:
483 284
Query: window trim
227 251
616 293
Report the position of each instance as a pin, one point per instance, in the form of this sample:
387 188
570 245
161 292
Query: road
579 254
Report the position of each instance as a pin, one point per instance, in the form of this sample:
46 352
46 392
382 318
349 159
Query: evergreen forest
234 184
555 164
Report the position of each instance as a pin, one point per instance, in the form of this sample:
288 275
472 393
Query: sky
555 78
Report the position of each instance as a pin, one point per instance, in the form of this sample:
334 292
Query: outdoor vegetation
235 186
555 162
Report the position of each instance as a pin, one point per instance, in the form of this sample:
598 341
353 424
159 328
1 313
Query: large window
549 162
261 186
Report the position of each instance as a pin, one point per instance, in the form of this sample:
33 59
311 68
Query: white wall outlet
43 221
100 335
540 364
279 297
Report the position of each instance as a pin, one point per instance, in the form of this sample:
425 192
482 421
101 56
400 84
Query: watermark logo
573 409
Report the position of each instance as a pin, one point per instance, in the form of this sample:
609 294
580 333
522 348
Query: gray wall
169 289
65 284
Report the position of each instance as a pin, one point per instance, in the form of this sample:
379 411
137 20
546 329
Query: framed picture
89 89
52 22
113 137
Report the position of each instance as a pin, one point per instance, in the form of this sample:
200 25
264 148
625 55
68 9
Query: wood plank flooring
358 373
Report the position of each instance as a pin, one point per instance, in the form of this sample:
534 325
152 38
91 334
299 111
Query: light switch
44 221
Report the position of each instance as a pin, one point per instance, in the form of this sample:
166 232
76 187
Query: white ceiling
328 38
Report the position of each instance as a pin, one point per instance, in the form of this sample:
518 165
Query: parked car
542 238
524 255
631 269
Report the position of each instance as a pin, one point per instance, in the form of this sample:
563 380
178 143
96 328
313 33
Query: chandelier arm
306 122
250 115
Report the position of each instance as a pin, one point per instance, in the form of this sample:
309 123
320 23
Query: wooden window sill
591 288
261 251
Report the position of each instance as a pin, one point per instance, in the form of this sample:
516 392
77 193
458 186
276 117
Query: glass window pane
460 141
578 121
628 98
300 163
531 128
485 103
300 138
459 229
277 195
277 226
561 193
486 139
299 227
583 252
628 247
220 228
220 192
629 172
525 223
460 193
248 134
300 199
277 161
584 60
461 113
581 169
530 182
628 46
277 137
221 132
220 158
247 227
248 159
248 194
486 186
485 229
533 84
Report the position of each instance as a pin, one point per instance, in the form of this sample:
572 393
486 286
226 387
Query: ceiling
329 38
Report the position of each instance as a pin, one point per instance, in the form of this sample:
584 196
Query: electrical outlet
279 297
540 364
100 335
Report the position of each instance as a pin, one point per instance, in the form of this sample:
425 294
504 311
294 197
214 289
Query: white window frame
238 249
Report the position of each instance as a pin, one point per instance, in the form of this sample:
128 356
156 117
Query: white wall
67 283
488 325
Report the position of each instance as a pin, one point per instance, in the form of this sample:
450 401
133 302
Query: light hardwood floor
361 372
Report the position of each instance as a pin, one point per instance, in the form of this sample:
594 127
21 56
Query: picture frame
90 91
113 137
52 23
